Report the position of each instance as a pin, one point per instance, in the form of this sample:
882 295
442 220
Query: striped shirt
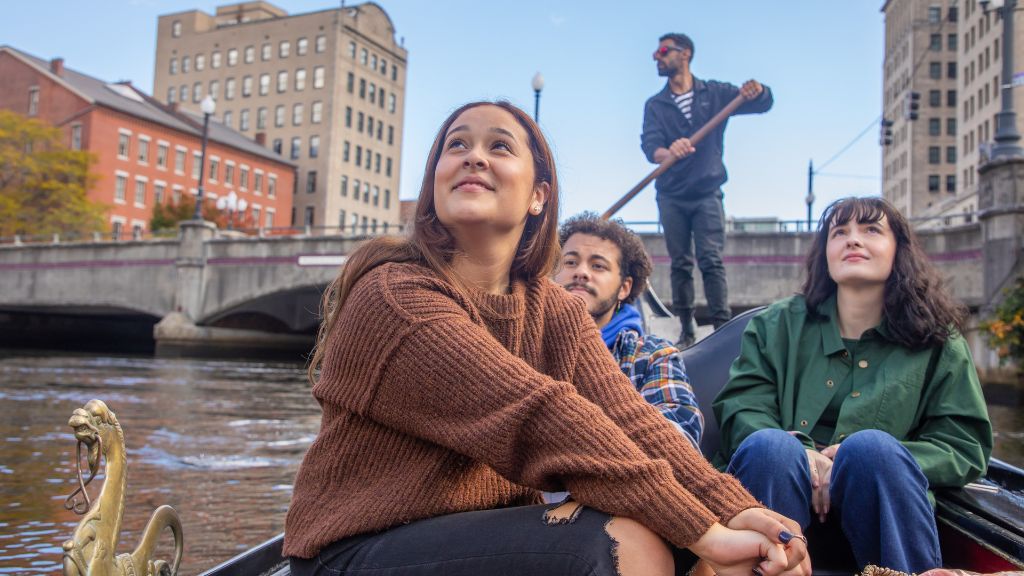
655 367
685 103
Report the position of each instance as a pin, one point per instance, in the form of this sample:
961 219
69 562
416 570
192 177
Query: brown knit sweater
437 402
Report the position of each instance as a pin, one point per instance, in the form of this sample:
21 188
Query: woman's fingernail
756 571
785 537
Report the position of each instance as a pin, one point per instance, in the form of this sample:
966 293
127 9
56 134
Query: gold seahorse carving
92 549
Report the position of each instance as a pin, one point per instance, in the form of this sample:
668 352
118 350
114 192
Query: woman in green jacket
857 396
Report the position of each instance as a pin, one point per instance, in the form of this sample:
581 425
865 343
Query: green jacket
791 366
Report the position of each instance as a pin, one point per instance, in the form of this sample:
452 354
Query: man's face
670 58
590 269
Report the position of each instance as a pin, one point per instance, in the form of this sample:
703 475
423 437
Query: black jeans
507 541
696 223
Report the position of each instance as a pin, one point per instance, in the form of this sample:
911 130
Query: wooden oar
697 137
652 299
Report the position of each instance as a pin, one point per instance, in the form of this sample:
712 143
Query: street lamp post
232 204
538 85
810 194
208 106
1007 137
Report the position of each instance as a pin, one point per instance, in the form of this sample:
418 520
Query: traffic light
885 138
912 105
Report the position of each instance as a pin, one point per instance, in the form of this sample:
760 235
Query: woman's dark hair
432 245
633 259
919 312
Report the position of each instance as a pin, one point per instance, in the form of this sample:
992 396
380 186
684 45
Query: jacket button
845 353
855 395
803 423
841 436
829 383
863 363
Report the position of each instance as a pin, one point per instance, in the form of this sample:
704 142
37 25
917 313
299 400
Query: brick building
147 153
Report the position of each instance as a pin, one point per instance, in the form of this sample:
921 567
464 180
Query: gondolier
689 193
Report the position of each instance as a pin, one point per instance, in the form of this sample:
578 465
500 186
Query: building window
282 81
373 61
350 83
321 43
951 69
362 88
355 189
369 125
179 160
228 118
363 54
297 114
215 60
366 192
185 64
318 77
264 84
935 98
951 126
256 215
391 103
229 174
214 169
314 146
935 42
197 91
387 198
161 156
257 182
316 112
277 146
935 70
243 120
359 155
214 90
391 134
158 192
33 101
232 56
76 136
200 62
183 93
261 118
951 183
344 186
345 151
934 127
387 170
271 185
279 116
283 49
934 14
176 29
229 89
246 86
934 155
140 193
373 93
953 14
360 122
341 220
376 162
269 218
352 50
249 56
123 145
380 98
933 182
196 164
311 182
308 221
265 51
120 188
376 195
951 98
348 116
296 148
951 42
172 67
301 46
950 154
300 79
170 94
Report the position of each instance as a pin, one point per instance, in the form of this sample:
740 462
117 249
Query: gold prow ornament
91 551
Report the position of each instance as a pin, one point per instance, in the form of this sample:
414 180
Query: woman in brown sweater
458 382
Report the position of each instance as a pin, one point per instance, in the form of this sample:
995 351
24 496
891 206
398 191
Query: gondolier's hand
821 480
682 147
751 89
778 529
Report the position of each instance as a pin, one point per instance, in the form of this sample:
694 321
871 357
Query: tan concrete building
324 89
921 51
981 63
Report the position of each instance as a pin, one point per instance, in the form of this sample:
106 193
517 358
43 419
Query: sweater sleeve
418 363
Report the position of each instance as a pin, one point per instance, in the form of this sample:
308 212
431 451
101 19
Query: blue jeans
878 492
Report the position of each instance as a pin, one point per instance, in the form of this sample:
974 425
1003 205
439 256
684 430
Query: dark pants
507 541
696 223
878 493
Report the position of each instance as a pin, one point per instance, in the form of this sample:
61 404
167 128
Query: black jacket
702 172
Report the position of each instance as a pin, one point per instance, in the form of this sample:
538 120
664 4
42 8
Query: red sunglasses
663 51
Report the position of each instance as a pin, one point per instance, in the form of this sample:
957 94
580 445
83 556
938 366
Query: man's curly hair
633 260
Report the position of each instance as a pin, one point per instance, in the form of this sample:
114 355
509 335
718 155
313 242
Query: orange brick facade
141 162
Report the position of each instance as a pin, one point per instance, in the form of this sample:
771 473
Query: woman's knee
637 549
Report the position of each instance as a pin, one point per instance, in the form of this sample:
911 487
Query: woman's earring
537 208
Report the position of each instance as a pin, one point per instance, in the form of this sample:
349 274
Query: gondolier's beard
667 71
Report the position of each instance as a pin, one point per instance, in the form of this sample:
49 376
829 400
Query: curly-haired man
605 263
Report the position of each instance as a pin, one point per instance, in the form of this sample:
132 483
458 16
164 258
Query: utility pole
810 194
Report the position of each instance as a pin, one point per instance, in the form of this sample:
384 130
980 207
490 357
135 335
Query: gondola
981 526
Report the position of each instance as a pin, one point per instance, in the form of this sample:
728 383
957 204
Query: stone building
147 153
326 89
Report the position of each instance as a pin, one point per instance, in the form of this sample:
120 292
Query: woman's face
485 177
860 254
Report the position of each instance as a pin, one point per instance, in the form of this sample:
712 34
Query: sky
822 59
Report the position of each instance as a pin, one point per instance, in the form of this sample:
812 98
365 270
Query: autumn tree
43 184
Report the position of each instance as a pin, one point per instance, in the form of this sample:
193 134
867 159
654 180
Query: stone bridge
205 290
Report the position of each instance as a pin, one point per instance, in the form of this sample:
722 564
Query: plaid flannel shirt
655 367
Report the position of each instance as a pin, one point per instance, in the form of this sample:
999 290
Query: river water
218 440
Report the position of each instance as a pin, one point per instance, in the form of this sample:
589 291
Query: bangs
860 210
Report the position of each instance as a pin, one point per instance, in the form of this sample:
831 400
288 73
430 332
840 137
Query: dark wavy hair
919 312
432 245
633 260
680 40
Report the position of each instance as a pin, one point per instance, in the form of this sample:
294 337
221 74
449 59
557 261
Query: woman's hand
779 529
821 480
743 553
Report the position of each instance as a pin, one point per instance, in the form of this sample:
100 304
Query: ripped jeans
525 540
